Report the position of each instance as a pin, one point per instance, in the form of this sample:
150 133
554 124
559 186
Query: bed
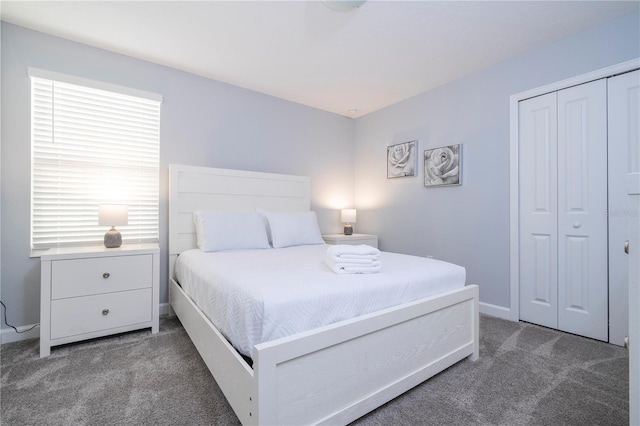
332 374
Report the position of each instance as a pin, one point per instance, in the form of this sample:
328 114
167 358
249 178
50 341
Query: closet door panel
582 203
624 158
538 210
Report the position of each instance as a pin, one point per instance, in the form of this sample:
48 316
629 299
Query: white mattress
254 296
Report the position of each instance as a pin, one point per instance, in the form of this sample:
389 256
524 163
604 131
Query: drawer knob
106 275
105 312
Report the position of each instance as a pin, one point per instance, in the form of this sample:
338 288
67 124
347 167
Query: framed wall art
402 160
443 166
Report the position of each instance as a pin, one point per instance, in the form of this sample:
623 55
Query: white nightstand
89 292
354 240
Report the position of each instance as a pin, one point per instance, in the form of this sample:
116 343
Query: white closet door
582 204
634 297
538 210
624 158
624 136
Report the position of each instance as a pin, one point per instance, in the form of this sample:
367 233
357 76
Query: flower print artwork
442 166
401 159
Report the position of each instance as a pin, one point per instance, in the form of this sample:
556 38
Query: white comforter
254 296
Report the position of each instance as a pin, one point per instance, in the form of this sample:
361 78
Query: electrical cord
12 326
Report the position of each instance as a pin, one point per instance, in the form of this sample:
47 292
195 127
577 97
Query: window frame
145 227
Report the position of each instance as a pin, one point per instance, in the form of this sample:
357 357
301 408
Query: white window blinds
89 147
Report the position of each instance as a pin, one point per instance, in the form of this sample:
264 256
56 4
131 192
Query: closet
574 156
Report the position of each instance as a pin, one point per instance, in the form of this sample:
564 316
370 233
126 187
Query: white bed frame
330 375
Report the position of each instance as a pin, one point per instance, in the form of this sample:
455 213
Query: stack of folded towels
347 259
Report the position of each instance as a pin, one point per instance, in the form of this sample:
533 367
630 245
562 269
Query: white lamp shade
113 214
348 215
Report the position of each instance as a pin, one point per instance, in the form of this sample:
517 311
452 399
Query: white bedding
254 296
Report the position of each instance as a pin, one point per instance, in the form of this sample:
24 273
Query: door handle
626 246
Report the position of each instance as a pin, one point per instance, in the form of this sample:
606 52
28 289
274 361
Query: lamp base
113 238
348 230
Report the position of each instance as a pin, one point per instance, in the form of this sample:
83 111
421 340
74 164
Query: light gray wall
203 123
469 224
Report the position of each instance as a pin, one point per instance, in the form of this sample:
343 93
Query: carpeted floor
526 375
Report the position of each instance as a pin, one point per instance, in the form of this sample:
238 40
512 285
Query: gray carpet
526 375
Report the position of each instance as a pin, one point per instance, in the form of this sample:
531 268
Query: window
92 144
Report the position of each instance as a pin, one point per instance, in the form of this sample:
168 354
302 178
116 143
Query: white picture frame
443 166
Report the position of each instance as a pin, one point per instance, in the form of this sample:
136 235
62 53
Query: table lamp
112 215
348 216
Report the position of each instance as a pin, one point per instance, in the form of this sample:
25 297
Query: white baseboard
9 335
164 309
495 310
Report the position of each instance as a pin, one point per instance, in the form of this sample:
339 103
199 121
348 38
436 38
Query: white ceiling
305 52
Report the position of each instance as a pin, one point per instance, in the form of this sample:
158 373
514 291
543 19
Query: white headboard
202 188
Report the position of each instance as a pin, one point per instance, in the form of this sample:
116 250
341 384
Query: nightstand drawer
83 277
80 315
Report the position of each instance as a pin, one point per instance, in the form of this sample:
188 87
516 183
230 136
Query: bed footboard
338 373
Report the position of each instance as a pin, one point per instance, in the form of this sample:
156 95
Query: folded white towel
352 262
353 268
341 250
361 260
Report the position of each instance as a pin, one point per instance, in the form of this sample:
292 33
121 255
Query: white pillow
216 230
293 229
